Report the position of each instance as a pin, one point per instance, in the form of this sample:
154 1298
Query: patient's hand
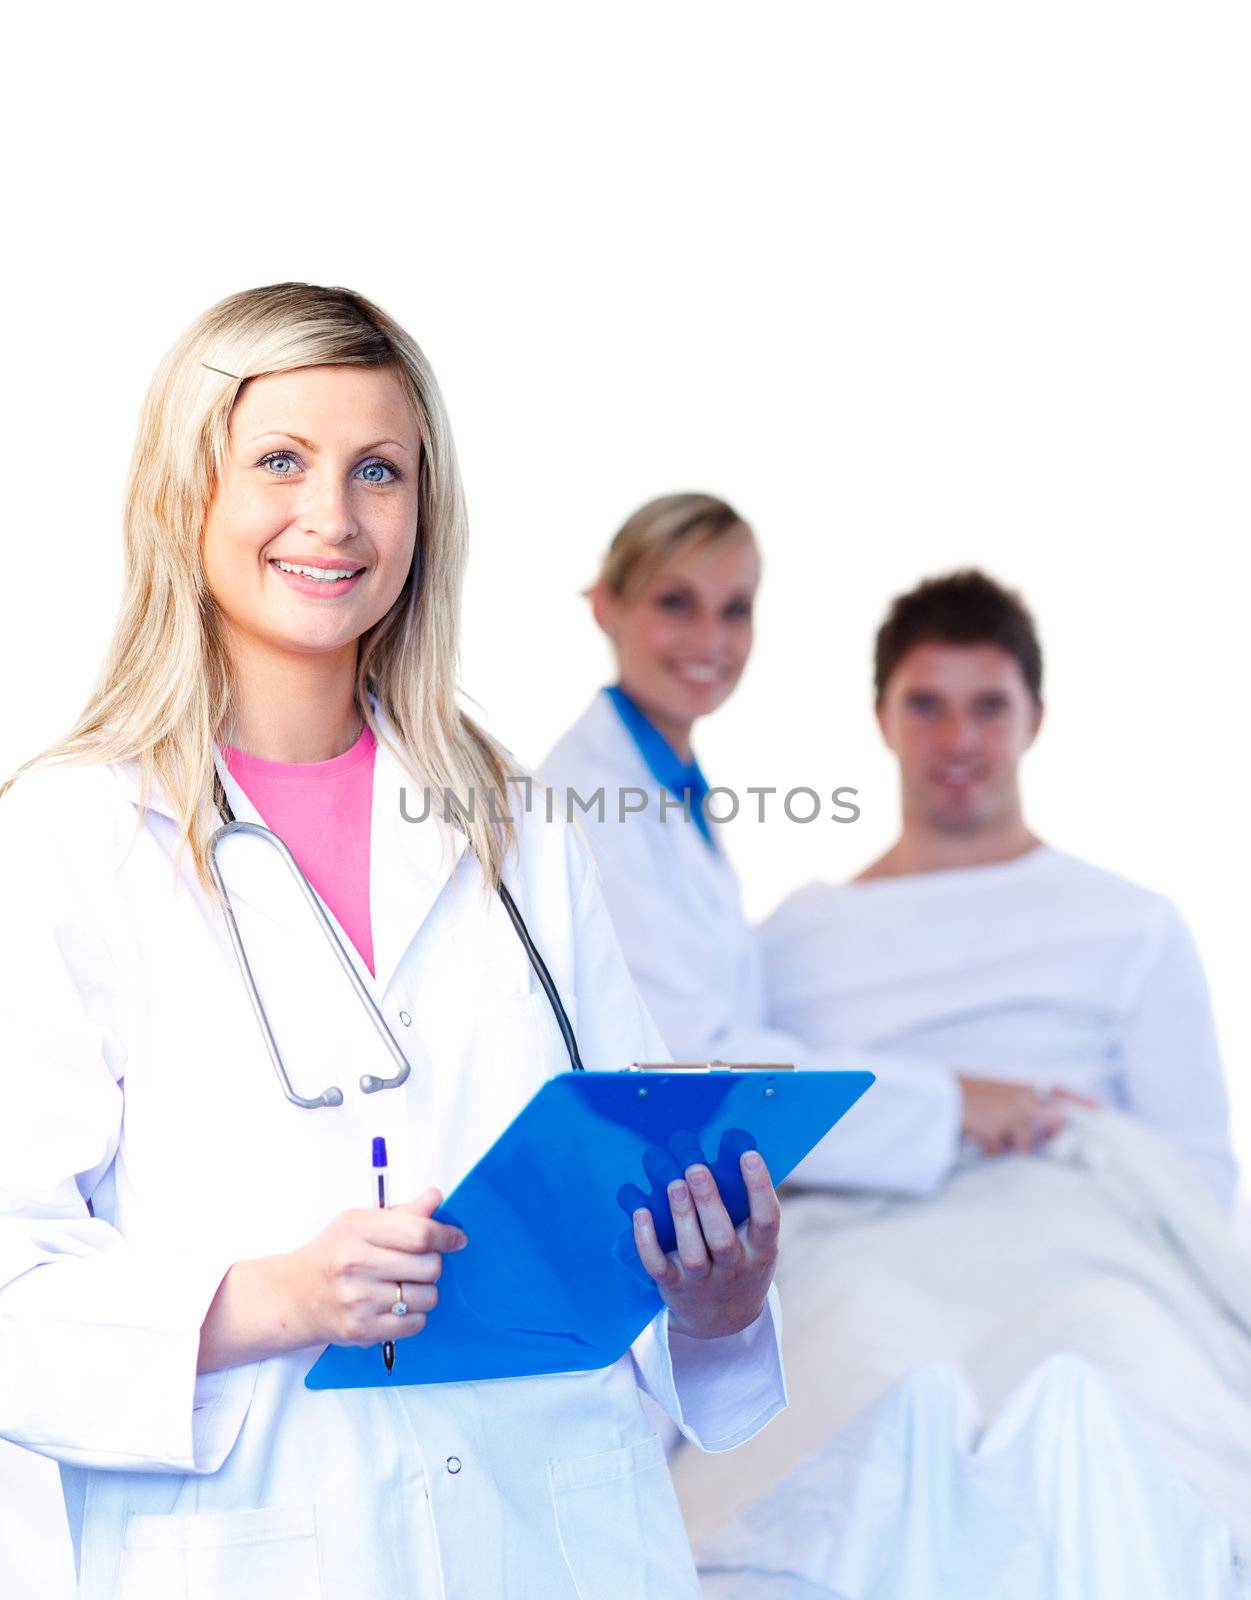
717 1279
1013 1116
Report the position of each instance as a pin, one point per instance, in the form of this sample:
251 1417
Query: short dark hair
964 607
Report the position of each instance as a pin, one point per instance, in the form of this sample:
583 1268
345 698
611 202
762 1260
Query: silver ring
399 1309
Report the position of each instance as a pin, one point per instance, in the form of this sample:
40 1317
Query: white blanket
1106 1248
1061 1498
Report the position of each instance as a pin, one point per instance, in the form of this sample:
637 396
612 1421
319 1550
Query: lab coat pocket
620 1528
263 1554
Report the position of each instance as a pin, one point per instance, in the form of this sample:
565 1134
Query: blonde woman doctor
674 597
178 1241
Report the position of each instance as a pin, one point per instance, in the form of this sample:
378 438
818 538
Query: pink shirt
321 811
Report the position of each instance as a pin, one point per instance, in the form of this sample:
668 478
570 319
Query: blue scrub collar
682 781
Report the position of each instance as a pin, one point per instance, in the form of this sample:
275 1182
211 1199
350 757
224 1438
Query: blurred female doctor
674 597
179 1242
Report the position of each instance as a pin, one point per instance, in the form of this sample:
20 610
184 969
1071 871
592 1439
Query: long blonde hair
164 691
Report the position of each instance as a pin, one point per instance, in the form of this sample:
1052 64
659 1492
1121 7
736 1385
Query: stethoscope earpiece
369 1083
332 1096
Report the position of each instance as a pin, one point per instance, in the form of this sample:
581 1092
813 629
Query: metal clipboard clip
711 1066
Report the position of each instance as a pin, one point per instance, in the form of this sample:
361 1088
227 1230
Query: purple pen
380 1180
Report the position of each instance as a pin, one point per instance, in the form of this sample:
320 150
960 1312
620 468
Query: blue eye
370 471
279 458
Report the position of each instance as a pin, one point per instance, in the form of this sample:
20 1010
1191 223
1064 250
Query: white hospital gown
1044 970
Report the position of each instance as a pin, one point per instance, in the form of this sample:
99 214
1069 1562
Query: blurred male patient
1011 969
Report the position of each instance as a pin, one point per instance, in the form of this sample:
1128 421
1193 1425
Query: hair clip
222 371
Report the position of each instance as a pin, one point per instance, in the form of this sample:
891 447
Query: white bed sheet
1062 1497
1106 1248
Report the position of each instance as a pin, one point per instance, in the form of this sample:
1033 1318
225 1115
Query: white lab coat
676 907
134 1074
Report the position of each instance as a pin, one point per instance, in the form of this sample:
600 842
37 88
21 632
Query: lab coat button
453 1465
406 1019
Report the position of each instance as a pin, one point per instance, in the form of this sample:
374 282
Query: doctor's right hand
337 1289
347 1278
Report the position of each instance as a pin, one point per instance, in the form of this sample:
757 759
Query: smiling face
959 718
683 639
321 474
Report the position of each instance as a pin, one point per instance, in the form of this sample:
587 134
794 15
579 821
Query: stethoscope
370 1084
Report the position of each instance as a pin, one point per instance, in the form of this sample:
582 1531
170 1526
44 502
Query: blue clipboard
551 1280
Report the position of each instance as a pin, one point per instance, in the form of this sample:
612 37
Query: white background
913 286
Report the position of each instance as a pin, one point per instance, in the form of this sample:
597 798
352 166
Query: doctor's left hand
716 1281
